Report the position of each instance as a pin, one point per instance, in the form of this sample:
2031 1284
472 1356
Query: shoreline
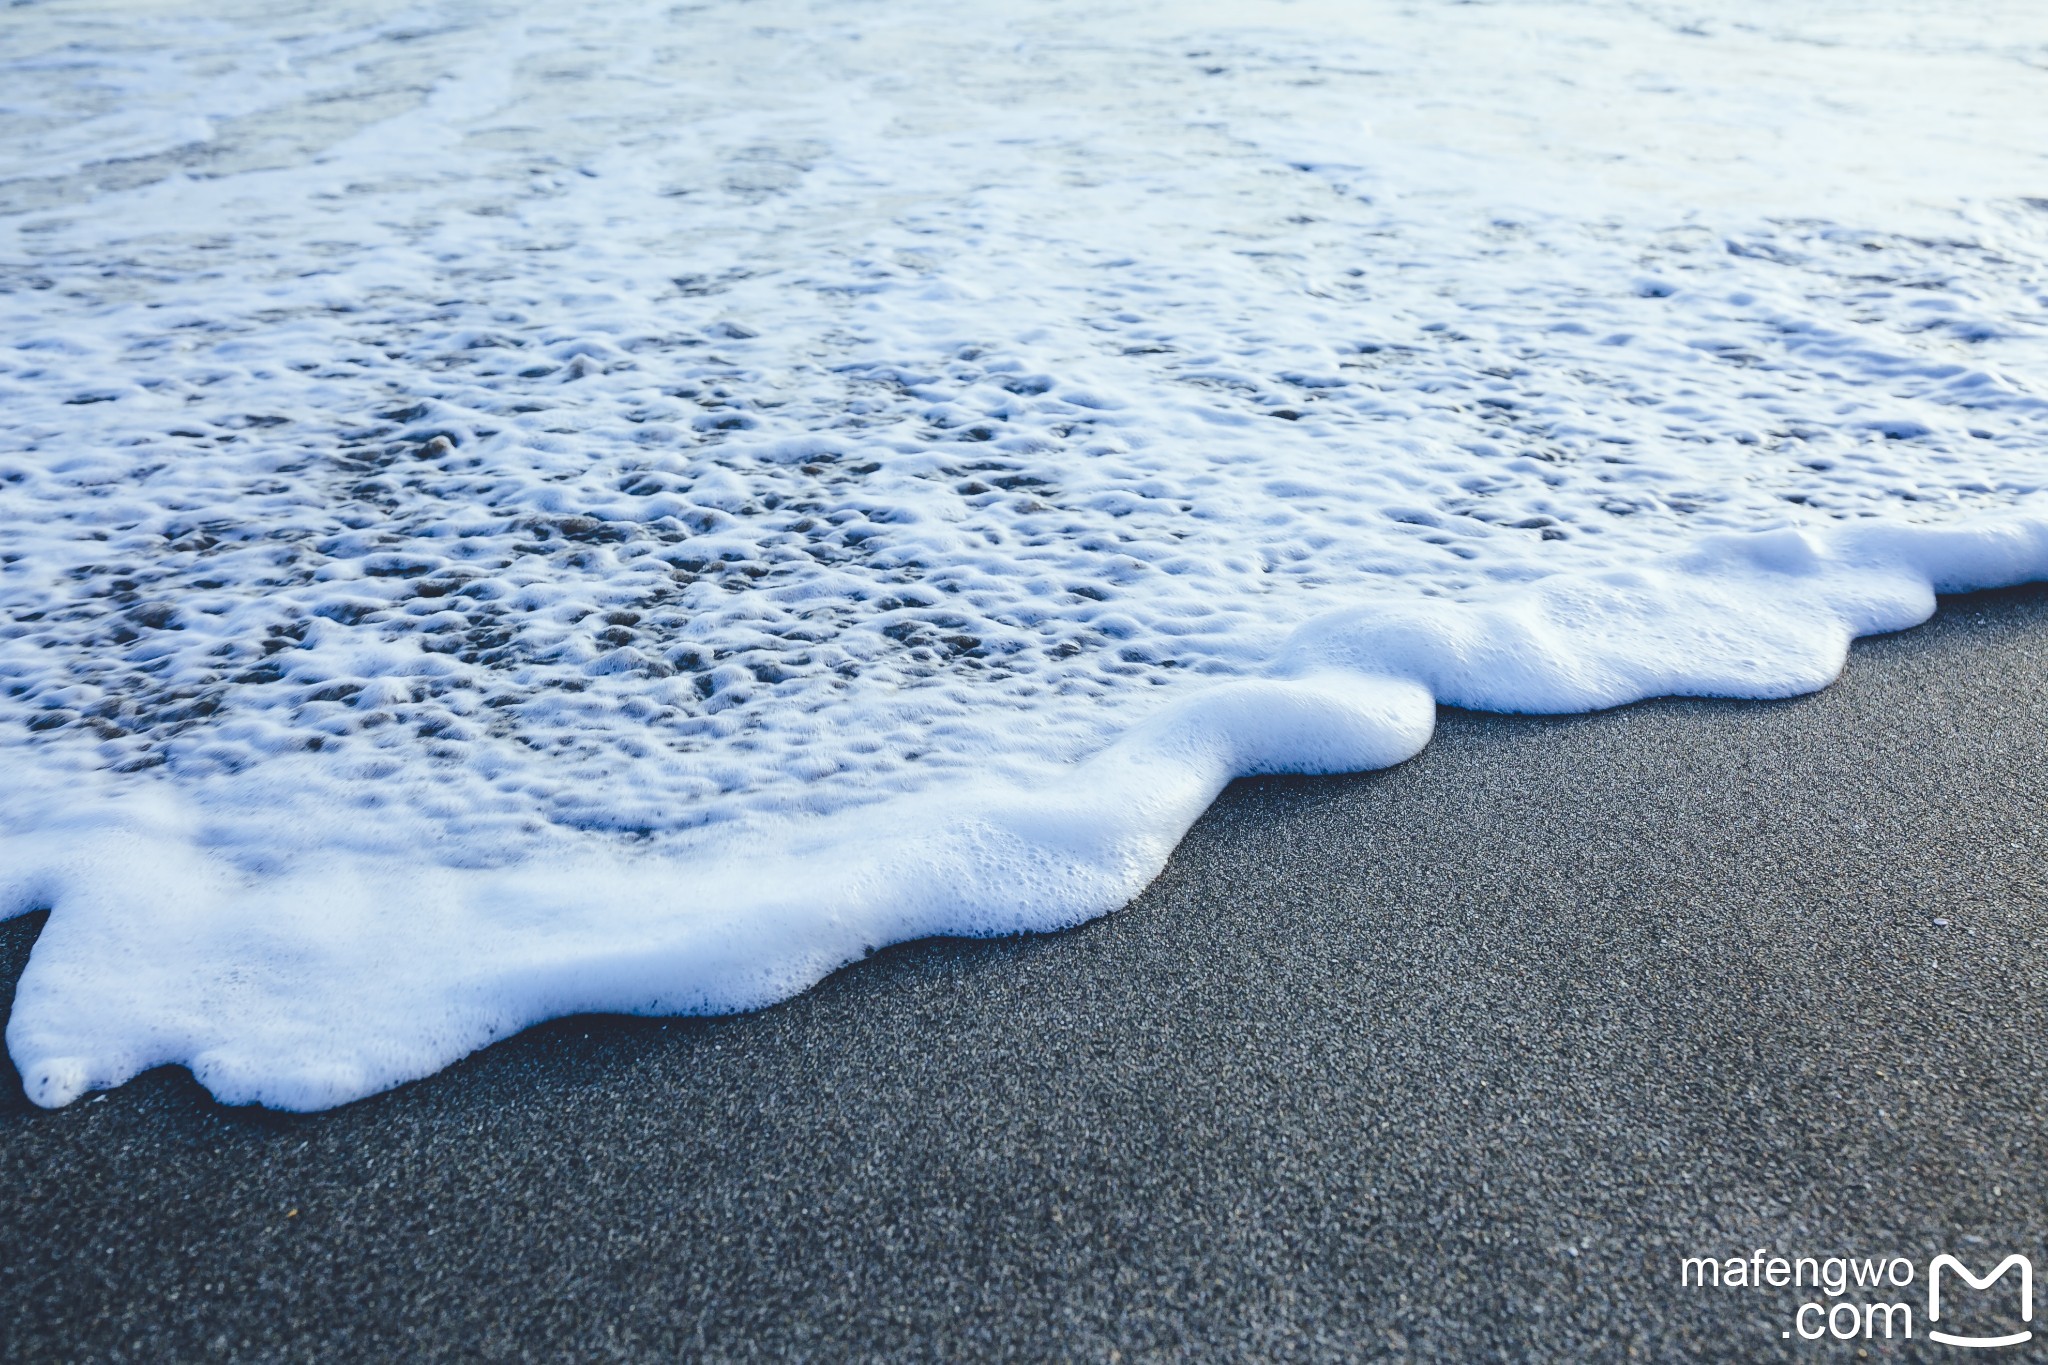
423 964
1444 1061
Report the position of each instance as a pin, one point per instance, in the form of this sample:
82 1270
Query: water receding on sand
507 514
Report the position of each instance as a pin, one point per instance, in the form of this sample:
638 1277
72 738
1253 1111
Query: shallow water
506 513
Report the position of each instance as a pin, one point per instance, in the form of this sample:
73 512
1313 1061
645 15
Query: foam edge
342 978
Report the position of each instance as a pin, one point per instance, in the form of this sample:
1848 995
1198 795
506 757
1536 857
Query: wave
502 517
346 976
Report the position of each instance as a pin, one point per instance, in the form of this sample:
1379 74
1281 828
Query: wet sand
1449 1062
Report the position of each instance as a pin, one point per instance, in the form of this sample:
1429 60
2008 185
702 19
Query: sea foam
506 517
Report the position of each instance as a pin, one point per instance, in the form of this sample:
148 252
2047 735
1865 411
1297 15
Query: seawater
506 511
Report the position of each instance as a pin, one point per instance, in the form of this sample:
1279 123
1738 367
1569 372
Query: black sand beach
1450 1062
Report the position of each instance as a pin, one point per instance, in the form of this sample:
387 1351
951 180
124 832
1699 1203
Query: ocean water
511 509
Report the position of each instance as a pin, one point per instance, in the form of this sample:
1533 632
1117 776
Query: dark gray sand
1452 1062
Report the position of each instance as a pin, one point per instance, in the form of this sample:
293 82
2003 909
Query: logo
1858 1298
1941 1263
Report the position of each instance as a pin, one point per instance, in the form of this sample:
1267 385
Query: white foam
524 518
